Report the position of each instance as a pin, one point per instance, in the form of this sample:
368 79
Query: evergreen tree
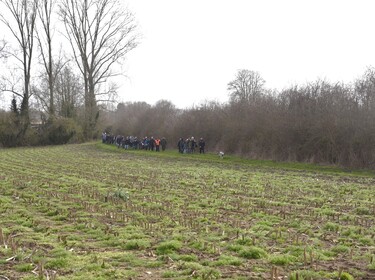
13 106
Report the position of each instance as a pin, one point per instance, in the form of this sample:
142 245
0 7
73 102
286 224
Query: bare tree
22 28
3 45
45 89
246 86
365 89
45 10
101 33
68 90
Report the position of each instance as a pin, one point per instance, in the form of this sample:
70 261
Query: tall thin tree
45 11
101 33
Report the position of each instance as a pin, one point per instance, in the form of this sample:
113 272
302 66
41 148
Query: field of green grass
93 211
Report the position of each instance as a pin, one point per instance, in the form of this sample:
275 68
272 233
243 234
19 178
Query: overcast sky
190 50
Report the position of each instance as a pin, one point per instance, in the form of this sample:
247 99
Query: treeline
320 122
61 94
60 60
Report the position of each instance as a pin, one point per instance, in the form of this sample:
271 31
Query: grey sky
191 49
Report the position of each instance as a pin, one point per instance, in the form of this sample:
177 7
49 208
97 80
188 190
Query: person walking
163 143
193 145
201 145
152 143
180 145
157 144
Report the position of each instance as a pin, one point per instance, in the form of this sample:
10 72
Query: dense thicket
319 122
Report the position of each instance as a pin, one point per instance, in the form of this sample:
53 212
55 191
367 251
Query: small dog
221 154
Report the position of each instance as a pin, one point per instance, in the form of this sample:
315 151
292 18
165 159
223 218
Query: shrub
62 131
9 130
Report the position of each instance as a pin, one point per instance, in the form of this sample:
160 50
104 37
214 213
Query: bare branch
23 15
45 46
101 33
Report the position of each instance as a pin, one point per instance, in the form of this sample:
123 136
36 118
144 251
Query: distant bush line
320 122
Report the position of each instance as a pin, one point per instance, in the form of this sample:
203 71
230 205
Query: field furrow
93 212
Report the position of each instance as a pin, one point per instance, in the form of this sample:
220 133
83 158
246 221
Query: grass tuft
168 247
253 253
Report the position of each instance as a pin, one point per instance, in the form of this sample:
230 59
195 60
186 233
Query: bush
9 130
15 131
31 138
62 131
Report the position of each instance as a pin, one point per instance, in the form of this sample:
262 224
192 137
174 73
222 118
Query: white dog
221 154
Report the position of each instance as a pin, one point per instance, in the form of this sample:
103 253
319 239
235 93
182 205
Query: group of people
132 142
189 145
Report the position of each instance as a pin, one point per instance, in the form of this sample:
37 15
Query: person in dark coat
163 143
145 143
152 143
119 139
193 145
180 145
201 145
187 146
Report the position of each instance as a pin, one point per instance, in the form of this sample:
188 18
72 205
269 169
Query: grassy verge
233 159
